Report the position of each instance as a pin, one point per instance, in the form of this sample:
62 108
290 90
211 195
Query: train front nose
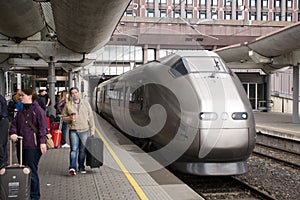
226 136
223 144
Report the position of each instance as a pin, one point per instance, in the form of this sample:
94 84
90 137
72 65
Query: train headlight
208 116
239 116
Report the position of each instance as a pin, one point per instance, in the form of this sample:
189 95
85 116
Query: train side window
178 69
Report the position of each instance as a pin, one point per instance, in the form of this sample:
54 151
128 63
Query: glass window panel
176 13
277 17
252 3
112 70
188 2
239 15
265 3
150 13
162 13
289 3
212 64
203 2
252 16
289 17
139 54
151 54
277 3
264 16
227 2
214 15
228 15
240 2
176 2
120 70
189 14
202 14
214 2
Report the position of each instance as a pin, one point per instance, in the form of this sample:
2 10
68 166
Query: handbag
49 141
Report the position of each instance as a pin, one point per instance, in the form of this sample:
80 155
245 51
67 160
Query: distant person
59 106
4 123
57 96
44 99
14 105
79 115
30 123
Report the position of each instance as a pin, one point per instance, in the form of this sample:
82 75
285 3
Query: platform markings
127 174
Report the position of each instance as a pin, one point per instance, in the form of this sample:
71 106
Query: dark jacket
3 107
38 118
59 107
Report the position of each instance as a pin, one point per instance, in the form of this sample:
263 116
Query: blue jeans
77 148
31 158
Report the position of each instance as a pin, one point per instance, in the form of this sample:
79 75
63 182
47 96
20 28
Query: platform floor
278 124
123 175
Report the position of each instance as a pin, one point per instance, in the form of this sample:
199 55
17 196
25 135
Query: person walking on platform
30 123
44 100
79 115
4 123
59 106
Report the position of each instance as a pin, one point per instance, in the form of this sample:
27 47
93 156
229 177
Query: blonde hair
63 96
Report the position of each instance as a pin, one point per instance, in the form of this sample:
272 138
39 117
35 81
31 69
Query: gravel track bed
281 182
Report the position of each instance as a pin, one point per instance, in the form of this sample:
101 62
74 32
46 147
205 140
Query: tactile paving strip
99 183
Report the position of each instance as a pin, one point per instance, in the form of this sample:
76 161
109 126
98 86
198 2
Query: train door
255 93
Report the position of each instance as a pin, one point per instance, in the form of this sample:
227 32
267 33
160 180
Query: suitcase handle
21 151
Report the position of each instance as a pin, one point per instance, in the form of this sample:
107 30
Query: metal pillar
295 94
157 53
51 82
145 54
268 93
70 78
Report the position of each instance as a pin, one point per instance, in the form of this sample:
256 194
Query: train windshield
205 64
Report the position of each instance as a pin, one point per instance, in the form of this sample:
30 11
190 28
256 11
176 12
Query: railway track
223 187
285 157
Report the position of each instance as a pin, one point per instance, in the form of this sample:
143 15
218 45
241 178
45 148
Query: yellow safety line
276 129
131 180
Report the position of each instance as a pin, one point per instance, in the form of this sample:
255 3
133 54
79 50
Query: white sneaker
65 146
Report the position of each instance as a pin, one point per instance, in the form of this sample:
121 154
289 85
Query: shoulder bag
49 141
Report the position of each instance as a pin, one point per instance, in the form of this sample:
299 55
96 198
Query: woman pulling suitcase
34 144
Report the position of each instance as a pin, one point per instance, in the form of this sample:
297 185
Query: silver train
189 106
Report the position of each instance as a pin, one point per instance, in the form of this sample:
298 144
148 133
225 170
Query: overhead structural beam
44 49
257 58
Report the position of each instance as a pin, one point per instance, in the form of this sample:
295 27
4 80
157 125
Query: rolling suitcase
15 178
56 133
94 152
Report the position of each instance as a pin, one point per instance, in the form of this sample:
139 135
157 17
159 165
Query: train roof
186 53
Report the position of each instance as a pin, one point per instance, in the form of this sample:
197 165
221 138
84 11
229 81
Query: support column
70 78
145 54
295 94
268 93
157 54
51 81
